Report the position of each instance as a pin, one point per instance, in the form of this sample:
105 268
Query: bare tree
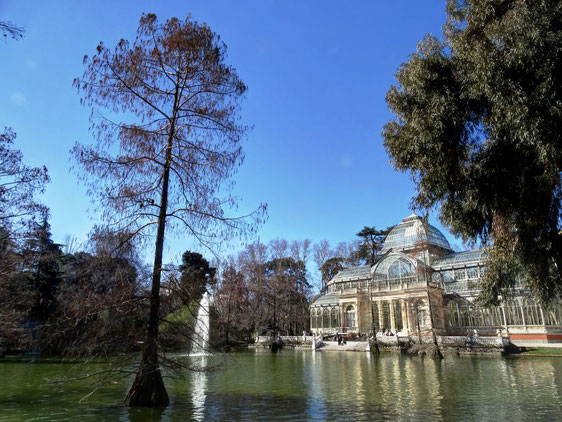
349 251
321 252
71 244
8 29
278 248
300 250
19 185
252 263
173 124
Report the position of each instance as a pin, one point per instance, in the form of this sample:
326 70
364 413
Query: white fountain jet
200 343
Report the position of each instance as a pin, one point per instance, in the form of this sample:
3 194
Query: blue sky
317 73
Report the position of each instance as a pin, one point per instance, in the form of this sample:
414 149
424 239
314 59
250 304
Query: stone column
404 317
392 320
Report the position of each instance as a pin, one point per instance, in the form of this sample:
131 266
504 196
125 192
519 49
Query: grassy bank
541 351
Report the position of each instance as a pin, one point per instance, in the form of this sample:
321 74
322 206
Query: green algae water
301 385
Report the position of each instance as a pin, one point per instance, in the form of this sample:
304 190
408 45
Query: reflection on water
303 385
199 389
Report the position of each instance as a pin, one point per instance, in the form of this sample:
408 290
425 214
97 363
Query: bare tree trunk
148 388
433 335
375 345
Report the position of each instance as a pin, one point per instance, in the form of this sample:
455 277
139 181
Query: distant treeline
90 301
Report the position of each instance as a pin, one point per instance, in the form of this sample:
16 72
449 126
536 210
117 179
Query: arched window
313 318
385 323
453 314
494 316
393 271
335 318
553 314
513 313
421 317
326 318
532 312
465 313
489 316
478 314
350 316
398 315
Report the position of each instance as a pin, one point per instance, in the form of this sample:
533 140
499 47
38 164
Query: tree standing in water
169 142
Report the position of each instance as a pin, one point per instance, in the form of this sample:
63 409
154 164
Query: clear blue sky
317 73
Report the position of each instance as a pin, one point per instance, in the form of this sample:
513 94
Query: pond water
303 385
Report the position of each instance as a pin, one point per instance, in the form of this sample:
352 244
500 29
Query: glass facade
394 271
394 292
350 317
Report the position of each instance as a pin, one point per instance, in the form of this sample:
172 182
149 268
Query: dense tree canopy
197 275
479 126
330 268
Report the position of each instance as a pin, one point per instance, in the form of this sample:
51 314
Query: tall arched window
350 316
326 318
453 314
478 316
393 271
398 315
465 319
313 318
532 312
335 318
513 313
385 323
553 315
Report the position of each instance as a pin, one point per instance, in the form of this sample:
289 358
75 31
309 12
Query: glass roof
411 231
353 273
326 300
364 270
475 256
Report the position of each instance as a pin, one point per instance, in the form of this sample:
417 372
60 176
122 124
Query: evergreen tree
371 244
479 126
330 268
196 275
44 263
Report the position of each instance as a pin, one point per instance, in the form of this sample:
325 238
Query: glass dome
410 232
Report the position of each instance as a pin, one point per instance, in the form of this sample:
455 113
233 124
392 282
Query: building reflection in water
357 386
